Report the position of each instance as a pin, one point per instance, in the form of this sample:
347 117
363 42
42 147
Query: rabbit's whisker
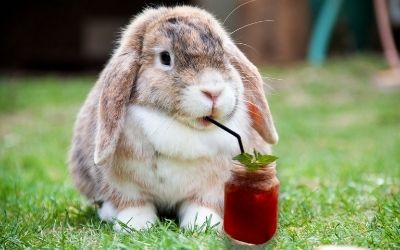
245 44
263 83
271 78
249 102
251 24
249 81
235 9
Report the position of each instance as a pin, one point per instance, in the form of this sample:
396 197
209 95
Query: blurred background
332 77
71 36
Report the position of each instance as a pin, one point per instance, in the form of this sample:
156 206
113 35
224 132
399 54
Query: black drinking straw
227 130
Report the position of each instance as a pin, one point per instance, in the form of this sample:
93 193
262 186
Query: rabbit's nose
211 94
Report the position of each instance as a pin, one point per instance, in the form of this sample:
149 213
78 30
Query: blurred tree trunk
282 40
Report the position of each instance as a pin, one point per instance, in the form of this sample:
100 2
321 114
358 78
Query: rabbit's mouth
204 122
200 123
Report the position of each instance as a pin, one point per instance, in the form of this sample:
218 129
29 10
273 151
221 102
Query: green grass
339 164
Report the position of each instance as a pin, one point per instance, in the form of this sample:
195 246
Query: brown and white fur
140 143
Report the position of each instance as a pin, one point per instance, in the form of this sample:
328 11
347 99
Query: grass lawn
339 164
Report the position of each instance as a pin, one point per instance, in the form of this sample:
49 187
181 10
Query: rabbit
141 145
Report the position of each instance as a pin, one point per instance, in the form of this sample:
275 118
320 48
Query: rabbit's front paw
107 211
138 218
194 216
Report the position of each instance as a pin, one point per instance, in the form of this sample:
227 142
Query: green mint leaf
265 159
255 160
244 158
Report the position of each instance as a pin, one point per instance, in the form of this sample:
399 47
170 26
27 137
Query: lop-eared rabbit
141 145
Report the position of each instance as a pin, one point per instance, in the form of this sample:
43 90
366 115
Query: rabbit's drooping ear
117 83
257 105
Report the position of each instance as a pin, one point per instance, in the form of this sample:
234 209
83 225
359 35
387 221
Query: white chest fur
168 181
188 161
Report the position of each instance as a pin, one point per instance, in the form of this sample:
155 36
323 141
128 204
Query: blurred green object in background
322 30
356 13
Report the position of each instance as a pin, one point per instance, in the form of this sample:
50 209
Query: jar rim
263 173
263 168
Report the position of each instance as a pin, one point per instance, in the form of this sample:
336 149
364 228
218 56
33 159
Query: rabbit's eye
165 58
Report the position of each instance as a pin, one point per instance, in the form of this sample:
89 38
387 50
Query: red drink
251 205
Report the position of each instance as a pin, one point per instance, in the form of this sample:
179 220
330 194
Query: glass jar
251 204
